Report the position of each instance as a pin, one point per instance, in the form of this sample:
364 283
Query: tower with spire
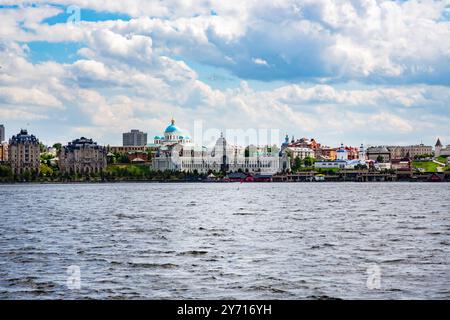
437 148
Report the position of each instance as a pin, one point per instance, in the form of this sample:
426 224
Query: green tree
57 146
26 175
6 173
46 170
297 164
42 147
309 161
247 152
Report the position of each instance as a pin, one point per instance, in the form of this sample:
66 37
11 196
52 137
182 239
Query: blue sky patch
86 15
61 52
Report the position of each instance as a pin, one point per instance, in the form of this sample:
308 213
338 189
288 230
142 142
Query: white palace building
176 151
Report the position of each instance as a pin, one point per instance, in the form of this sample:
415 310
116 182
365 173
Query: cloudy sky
368 71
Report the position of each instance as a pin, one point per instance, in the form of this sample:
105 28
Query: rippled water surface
217 241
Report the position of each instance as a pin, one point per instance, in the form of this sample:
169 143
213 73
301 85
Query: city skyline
151 137
372 72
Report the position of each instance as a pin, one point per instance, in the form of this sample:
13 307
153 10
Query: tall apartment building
134 138
82 156
2 133
24 153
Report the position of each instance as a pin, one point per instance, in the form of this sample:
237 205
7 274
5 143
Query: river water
225 241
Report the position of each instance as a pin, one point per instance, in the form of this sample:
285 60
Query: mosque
176 151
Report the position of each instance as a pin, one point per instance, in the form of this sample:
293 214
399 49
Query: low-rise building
3 152
82 156
126 149
24 153
333 164
346 158
382 166
401 164
412 151
326 153
440 150
137 156
379 153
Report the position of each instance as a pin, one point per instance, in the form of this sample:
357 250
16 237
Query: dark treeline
111 173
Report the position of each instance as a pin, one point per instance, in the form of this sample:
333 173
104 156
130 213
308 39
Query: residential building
303 147
24 153
82 156
300 148
3 152
134 138
298 152
440 150
2 133
326 153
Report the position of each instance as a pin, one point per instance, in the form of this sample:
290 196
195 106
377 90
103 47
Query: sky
351 71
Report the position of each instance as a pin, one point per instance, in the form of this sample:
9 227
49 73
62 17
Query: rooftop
23 137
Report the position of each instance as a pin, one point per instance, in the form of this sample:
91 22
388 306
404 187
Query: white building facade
440 150
177 152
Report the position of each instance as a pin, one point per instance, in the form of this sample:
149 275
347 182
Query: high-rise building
2 133
82 156
24 153
134 138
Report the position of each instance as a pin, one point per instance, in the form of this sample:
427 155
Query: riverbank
275 179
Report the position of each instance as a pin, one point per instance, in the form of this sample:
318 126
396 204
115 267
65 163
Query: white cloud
28 96
259 61
136 74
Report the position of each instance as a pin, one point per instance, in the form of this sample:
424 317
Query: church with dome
172 135
176 151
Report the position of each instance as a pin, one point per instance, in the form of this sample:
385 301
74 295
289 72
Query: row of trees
299 164
49 173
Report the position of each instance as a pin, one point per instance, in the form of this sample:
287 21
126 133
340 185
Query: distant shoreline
207 182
